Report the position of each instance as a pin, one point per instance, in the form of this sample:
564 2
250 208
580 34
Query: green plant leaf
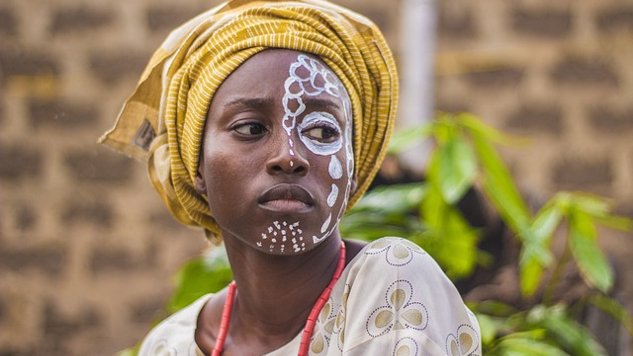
200 276
397 198
531 274
526 346
565 331
493 308
370 226
457 168
488 327
597 208
448 237
132 351
588 256
499 186
545 223
613 308
385 211
535 254
477 127
590 204
433 207
454 251
405 138
615 222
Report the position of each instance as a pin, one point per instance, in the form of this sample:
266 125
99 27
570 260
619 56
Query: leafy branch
465 158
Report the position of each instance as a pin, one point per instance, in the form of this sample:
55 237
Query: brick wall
87 249
560 73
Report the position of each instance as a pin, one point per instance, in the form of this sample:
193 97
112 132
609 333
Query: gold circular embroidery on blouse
399 313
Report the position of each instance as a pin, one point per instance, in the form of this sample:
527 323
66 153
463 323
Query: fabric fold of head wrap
163 121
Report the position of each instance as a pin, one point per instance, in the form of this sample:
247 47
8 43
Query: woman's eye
322 133
250 129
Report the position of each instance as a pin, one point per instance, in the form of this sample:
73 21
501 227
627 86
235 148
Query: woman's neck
276 293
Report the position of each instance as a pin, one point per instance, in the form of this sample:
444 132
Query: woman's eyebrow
249 102
321 103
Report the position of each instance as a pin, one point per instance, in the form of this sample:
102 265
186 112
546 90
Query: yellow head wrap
163 121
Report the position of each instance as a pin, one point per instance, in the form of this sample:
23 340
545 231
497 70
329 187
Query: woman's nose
286 158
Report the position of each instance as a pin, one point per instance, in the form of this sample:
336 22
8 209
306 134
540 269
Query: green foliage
613 308
207 274
199 276
542 330
387 211
464 158
132 351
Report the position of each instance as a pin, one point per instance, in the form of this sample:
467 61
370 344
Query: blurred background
87 250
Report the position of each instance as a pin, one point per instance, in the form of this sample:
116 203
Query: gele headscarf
163 121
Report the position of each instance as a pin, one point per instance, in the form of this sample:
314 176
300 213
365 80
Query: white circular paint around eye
331 199
320 148
335 168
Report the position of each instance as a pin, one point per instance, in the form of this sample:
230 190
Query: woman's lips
286 198
286 206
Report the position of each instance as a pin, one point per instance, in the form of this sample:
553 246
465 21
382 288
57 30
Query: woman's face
277 162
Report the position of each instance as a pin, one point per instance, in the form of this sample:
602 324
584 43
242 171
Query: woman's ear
200 185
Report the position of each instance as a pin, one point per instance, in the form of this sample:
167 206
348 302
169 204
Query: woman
262 122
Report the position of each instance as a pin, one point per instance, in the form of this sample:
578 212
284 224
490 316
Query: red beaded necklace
307 330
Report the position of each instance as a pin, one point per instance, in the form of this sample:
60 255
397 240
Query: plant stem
550 289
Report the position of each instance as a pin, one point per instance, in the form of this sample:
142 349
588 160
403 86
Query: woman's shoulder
396 291
394 253
391 259
175 334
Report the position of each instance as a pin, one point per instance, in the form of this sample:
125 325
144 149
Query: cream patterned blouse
392 299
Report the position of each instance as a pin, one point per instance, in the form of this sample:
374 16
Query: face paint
321 133
283 234
309 77
334 173
314 122
326 223
311 110
331 199
335 169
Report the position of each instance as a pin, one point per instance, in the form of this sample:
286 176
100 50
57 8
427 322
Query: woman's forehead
273 74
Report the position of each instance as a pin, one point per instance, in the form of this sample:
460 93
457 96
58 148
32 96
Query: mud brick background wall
87 249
